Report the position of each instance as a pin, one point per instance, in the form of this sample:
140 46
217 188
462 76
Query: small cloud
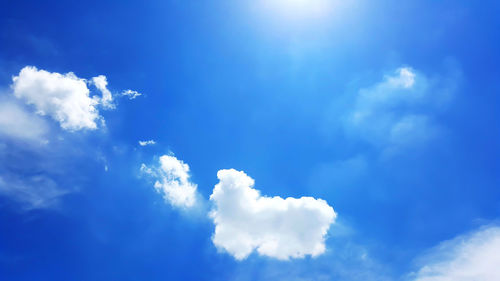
131 94
172 181
148 142
275 227
474 256
101 83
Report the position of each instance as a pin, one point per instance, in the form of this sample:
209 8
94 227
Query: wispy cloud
101 83
400 110
17 122
32 191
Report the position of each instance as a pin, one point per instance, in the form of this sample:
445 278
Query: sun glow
299 9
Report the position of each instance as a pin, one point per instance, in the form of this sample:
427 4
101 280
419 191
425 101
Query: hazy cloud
400 110
473 256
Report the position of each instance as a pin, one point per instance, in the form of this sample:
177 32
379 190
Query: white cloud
64 97
172 181
17 123
475 256
30 174
101 83
275 227
148 142
131 94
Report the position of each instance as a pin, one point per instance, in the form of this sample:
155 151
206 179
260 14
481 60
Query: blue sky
369 128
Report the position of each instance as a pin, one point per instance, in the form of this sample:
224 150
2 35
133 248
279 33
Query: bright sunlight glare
298 9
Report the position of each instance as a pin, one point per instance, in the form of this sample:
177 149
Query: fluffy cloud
276 227
172 180
398 111
64 97
149 142
470 257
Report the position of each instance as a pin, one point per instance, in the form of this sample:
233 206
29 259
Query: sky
250 140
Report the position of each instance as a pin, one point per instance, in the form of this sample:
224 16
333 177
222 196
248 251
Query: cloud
400 110
275 227
405 78
149 142
36 158
101 83
412 128
64 97
131 94
172 181
473 256
32 192
18 123
37 176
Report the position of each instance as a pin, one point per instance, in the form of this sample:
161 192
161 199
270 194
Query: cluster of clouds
36 110
388 113
400 112
245 221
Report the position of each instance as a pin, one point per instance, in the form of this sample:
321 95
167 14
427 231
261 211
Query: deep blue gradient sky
233 84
